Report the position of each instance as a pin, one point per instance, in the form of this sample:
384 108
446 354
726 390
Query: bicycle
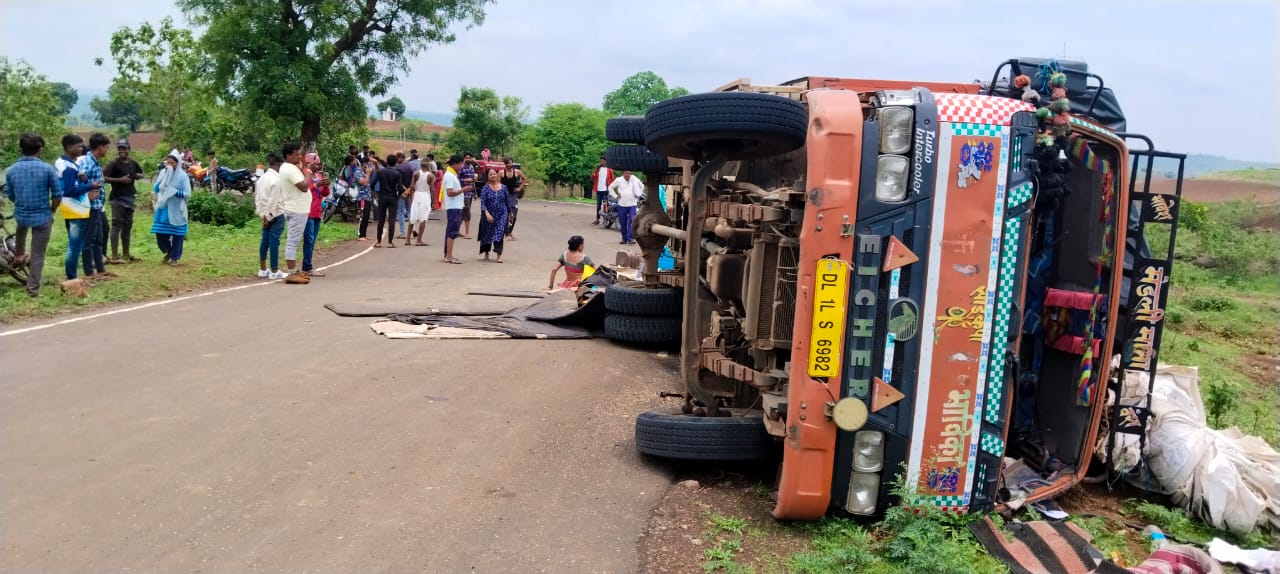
9 262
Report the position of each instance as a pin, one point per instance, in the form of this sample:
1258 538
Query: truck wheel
688 437
745 125
625 130
636 298
643 331
635 158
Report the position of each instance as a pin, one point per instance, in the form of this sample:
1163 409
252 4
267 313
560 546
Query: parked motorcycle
241 180
608 212
342 201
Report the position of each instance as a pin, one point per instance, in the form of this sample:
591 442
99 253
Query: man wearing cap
121 173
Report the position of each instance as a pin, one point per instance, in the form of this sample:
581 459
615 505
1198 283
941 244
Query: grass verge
1224 311
212 255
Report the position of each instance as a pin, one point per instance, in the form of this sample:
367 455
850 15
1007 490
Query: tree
569 139
67 98
310 60
120 108
486 120
639 92
159 74
29 103
394 104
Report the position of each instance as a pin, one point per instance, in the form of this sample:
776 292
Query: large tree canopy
569 139
639 92
311 60
395 104
67 98
486 120
29 103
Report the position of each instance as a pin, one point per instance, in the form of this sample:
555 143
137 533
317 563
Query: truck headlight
864 490
896 125
868 451
891 178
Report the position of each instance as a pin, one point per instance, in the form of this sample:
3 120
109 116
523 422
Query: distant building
388 115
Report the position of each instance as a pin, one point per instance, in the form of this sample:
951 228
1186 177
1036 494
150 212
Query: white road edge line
167 301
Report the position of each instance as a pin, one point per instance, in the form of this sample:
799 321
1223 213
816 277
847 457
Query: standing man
431 159
453 205
297 208
94 253
320 189
467 175
121 173
75 187
627 190
600 182
389 190
268 202
213 171
32 185
414 162
406 179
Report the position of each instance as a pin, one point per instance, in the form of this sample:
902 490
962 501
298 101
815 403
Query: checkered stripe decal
1091 126
992 444
957 503
1020 195
1017 154
1000 338
975 109
975 130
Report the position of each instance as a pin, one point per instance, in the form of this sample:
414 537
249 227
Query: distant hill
1201 164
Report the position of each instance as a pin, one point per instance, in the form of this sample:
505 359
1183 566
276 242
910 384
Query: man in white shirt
454 204
297 207
627 190
268 201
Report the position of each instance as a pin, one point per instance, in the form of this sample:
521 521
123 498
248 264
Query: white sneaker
277 275
263 273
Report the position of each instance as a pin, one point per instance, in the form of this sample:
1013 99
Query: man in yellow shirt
297 207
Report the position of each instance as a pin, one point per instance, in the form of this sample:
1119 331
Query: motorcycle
608 212
343 200
241 180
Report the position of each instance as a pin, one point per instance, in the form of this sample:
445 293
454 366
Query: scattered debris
689 484
77 288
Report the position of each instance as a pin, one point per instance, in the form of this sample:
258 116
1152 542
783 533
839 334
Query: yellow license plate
830 298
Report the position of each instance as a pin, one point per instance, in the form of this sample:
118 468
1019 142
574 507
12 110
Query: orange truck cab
882 279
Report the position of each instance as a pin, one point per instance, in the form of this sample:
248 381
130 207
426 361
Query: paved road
254 431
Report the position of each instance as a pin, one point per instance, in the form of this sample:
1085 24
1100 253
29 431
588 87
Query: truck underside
990 295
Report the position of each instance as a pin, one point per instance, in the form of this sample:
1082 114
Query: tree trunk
310 134
551 190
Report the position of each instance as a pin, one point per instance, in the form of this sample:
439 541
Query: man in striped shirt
95 244
75 186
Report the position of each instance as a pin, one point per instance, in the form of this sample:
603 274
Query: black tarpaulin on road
558 315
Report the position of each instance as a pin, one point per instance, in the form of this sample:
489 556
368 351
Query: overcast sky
1199 77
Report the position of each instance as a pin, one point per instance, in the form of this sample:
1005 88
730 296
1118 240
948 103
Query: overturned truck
885 277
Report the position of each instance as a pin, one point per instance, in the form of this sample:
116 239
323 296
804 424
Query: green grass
913 538
1268 176
1114 540
212 255
1223 319
1184 529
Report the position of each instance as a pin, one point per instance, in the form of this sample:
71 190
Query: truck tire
637 299
687 437
625 130
744 125
635 158
643 331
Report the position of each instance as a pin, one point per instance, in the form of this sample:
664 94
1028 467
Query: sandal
453 260
391 246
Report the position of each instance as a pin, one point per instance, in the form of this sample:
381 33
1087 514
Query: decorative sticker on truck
966 236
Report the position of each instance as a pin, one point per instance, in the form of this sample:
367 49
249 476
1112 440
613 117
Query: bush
1193 216
220 208
1211 303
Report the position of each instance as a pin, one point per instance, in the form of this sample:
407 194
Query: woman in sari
573 261
493 206
172 190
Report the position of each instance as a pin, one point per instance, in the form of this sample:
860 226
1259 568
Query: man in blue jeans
75 186
33 187
268 202
94 254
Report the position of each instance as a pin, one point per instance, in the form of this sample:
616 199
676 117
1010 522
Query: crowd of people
398 191
74 187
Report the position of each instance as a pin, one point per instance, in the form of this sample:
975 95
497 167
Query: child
573 261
